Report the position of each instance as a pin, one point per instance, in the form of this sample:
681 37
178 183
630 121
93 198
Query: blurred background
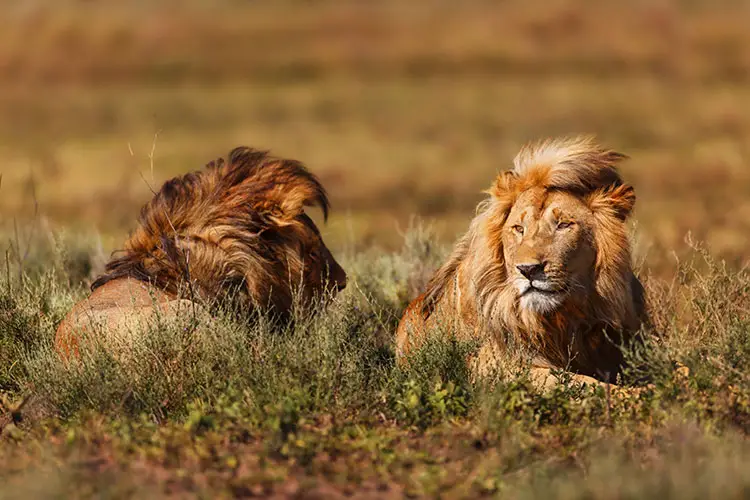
404 109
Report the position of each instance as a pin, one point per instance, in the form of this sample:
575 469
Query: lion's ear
503 191
503 186
615 201
306 193
287 194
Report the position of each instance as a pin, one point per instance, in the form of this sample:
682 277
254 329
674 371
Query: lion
545 266
232 235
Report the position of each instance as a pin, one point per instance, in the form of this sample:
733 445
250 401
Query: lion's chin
540 301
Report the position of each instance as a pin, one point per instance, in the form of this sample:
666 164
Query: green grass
238 408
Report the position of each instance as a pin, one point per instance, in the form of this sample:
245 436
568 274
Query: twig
189 280
17 248
608 394
34 219
7 271
186 271
151 154
149 185
22 255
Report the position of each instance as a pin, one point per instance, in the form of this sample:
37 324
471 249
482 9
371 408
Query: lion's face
548 249
321 273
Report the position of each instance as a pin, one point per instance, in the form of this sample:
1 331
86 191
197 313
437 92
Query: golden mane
474 285
226 230
572 164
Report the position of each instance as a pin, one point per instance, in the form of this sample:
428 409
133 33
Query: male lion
234 234
544 266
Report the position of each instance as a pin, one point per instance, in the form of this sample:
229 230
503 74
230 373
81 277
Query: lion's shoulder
118 307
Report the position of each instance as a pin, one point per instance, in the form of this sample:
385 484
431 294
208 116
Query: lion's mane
473 290
233 228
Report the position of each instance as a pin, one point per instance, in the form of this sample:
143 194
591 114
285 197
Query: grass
403 110
234 409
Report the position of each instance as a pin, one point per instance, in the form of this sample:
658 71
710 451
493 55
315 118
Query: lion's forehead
538 204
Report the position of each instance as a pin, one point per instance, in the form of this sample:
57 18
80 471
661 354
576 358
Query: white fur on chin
539 300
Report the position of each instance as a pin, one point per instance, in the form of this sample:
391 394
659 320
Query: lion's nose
531 271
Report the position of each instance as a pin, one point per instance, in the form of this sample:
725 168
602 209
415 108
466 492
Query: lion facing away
234 234
545 265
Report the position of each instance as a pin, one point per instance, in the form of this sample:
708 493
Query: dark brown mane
228 226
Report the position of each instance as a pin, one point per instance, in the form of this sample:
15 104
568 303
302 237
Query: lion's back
410 328
115 309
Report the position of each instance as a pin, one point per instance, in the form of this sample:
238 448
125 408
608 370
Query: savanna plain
406 111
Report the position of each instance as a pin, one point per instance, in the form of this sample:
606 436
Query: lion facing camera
544 266
233 234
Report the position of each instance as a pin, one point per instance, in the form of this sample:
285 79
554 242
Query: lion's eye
564 225
517 228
